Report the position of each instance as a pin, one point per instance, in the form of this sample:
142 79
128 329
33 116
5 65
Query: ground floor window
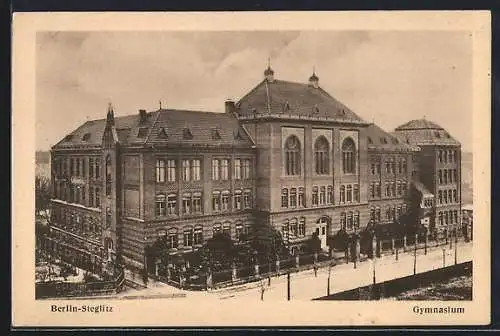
188 237
198 235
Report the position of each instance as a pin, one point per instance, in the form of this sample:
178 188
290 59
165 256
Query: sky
386 77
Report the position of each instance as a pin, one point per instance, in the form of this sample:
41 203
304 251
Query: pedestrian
262 290
315 270
269 280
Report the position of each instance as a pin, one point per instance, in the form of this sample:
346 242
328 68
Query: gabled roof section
378 139
424 132
295 100
419 124
163 127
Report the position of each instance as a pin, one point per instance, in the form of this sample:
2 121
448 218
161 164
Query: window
372 190
71 166
186 170
188 236
77 166
161 205
294 227
455 215
285 230
215 134
455 197
378 214
284 198
445 157
393 189
91 167
400 167
378 167
349 193
237 169
301 200
446 217
142 132
91 196
343 221
239 231
83 194
302 227
160 170
247 199
97 168
440 197
387 166
237 200
217 229
84 166
356 220
349 220
108 217
293 197
172 204
215 170
171 167
225 200
216 201
321 158
186 203
405 166
186 134
322 195
172 238
108 175
400 189
445 176
440 156
388 214
440 217
97 197
224 173
356 193
315 192
226 229
450 156
246 169
348 156
329 195
379 189
292 156
440 176
445 196
450 198
197 202
373 168
342 194
372 214
455 175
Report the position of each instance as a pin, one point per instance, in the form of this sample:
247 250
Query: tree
313 245
42 197
217 254
268 243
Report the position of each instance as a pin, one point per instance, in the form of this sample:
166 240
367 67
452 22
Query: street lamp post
288 286
444 257
374 278
455 252
415 256
328 284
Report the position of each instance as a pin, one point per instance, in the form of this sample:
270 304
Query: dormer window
215 134
86 137
383 140
68 137
286 107
143 131
237 135
316 109
370 141
163 133
436 133
446 134
395 141
186 134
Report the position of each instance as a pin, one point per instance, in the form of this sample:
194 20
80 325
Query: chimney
230 106
142 115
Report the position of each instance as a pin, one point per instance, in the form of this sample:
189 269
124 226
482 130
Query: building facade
286 155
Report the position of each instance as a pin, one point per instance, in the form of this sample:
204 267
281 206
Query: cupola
313 80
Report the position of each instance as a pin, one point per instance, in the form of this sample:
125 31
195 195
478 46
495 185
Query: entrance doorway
322 231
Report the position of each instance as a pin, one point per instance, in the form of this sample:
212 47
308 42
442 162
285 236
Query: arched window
349 156
440 218
108 175
161 204
321 157
292 156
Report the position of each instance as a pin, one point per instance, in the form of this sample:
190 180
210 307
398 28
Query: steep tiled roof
419 124
424 132
378 139
164 127
294 99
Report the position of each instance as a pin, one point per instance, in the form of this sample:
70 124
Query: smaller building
467 220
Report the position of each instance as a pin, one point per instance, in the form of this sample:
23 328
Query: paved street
305 286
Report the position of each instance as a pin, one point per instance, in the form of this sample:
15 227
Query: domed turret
313 80
269 73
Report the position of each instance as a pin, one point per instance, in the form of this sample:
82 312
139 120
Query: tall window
72 166
455 215
378 187
400 189
455 196
356 193
329 195
301 200
356 220
440 176
215 170
284 198
97 197
440 156
405 166
450 196
237 199
302 227
292 156
445 157
172 239
440 197
445 176
349 193
322 195
285 230
372 214
348 156
247 199
388 166
172 204
97 168
91 196
226 229
315 195
160 170
294 227
293 197
246 169
393 189
372 190
343 221
108 175
186 170
393 166
91 167
224 173
372 169
225 200
216 201
400 167
342 194
440 217
84 166
450 156
198 235
349 220
321 157
197 202
239 231
188 236
171 167
186 203
378 214
161 205
237 169
77 166
217 228
445 196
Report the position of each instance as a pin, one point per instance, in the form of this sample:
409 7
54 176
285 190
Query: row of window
78 167
349 193
349 220
392 166
293 228
78 194
391 189
447 196
192 203
166 170
446 176
428 202
73 221
447 156
391 213
194 236
448 217
290 198
293 157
